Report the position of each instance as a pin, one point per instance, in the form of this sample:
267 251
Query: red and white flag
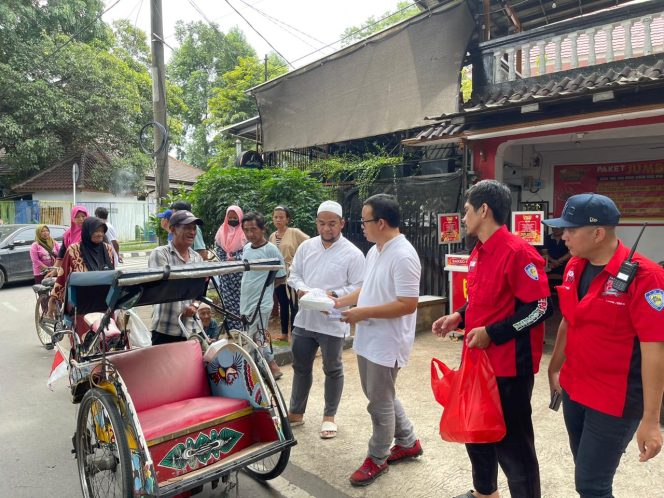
59 369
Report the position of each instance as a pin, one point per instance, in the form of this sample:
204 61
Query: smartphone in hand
556 399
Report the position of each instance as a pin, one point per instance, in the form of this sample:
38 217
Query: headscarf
47 243
73 233
231 239
94 255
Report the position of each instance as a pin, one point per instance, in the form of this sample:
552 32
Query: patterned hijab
46 242
231 239
73 233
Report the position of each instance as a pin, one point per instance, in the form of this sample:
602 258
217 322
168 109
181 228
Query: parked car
15 242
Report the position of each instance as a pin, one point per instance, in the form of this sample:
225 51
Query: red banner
528 226
449 228
636 187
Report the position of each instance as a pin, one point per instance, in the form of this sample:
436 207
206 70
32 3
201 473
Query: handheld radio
628 268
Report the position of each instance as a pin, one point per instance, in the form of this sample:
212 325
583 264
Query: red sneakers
367 473
398 453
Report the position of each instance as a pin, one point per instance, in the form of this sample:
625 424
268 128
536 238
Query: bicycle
46 326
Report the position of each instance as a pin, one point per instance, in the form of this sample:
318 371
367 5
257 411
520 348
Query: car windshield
5 231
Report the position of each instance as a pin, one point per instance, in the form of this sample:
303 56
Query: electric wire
285 26
257 32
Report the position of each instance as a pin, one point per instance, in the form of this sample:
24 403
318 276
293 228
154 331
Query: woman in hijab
43 252
228 243
73 233
90 254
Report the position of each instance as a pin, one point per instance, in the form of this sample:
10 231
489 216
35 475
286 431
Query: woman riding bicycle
90 254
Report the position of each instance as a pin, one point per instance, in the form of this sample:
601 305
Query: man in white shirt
385 316
332 264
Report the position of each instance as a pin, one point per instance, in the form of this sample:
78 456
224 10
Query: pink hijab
73 233
231 239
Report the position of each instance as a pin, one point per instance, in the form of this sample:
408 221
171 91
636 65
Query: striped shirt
165 315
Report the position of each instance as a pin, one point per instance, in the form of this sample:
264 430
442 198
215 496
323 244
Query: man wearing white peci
334 265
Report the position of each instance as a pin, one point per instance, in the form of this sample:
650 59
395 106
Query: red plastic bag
472 409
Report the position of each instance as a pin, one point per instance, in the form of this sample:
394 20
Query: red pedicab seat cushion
169 388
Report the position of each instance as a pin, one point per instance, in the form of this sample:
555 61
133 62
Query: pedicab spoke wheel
102 452
273 465
42 334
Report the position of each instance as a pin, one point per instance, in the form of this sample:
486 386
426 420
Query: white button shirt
393 272
338 268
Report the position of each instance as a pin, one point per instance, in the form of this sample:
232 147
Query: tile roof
179 172
59 177
541 90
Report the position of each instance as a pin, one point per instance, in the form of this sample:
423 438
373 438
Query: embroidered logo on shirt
531 271
471 264
655 298
569 278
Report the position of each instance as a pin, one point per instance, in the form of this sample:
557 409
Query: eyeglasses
364 222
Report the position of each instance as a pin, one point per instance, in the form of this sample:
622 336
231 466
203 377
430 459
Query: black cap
183 218
586 209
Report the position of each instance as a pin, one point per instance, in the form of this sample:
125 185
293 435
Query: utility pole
159 101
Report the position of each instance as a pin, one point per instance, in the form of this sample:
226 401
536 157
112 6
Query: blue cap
586 210
166 214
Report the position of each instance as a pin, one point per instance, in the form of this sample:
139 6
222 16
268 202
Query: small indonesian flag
59 369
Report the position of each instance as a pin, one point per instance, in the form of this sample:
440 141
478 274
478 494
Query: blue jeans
597 441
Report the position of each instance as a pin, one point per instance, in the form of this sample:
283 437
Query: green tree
373 24
67 84
230 102
259 190
204 54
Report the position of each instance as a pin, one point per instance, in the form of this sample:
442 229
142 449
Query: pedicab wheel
43 336
273 465
102 452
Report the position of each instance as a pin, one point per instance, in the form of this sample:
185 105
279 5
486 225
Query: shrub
259 190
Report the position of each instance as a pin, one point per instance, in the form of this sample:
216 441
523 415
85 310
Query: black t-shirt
588 275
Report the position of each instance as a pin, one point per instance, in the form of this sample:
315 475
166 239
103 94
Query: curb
135 254
283 355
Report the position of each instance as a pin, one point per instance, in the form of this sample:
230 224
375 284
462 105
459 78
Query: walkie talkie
628 268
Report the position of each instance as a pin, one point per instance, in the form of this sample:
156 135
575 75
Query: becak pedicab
164 420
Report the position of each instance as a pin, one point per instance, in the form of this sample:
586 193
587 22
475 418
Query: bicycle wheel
102 451
273 465
42 333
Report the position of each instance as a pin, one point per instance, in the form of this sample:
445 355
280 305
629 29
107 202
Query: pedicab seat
169 388
93 321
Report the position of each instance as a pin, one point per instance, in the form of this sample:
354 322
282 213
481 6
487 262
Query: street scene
332 249
38 425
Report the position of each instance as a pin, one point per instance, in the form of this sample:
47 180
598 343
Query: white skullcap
330 207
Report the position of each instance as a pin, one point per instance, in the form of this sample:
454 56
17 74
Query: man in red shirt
608 361
508 299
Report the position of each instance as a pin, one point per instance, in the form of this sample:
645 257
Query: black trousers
287 307
516 452
159 338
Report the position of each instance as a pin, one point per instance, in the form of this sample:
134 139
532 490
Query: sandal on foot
468 494
328 430
296 423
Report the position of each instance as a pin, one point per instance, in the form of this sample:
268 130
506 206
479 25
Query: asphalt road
37 424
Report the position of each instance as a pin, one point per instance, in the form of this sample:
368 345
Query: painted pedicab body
162 420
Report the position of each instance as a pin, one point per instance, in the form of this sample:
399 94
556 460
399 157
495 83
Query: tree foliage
256 190
374 24
204 55
230 102
67 83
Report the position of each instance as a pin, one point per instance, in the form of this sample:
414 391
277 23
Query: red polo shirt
502 272
602 369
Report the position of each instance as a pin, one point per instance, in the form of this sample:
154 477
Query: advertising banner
528 225
449 228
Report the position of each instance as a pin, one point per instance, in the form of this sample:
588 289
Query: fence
130 219
421 199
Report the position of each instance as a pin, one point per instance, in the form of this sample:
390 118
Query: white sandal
328 430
